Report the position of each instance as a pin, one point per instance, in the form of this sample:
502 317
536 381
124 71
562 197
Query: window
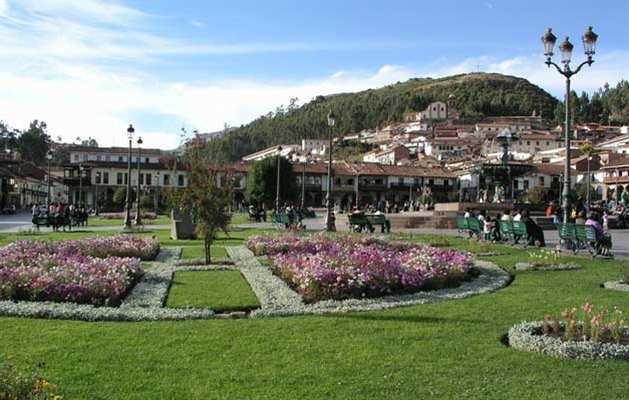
97 158
106 178
76 157
166 180
141 176
97 178
431 182
338 181
537 143
119 178
180 180
84 157
120 159
126 178
107 158
350 181
148 179
147 160
541 181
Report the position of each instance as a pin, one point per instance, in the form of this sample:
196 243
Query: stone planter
524 266
528 336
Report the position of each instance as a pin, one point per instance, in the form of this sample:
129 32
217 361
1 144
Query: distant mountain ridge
477 95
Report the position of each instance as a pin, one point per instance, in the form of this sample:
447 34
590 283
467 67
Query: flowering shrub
95 270
600 326
120 215
21 385
341 267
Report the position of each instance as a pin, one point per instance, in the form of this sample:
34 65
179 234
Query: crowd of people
61 215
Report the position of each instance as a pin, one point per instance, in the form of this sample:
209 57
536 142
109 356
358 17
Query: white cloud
197 24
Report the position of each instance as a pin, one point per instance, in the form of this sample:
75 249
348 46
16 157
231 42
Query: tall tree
34 142
262 182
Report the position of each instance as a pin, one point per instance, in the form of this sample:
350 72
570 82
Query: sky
90 68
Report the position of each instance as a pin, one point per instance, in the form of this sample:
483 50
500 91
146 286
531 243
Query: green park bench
359 222
469 225
568 237
506 230
519 231
587 239
41 220
513 231
281 220
385 224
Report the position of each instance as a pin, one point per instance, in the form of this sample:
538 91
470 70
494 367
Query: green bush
15 384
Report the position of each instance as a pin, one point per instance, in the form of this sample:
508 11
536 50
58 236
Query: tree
262 182
120 197
203 198
34 143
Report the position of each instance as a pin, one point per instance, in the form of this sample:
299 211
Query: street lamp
587 199
49 158
277 183
329 224
616 189
80 186
138 217
589 45
127 217
156 199
303 183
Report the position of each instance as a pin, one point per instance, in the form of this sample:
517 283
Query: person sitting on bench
603 238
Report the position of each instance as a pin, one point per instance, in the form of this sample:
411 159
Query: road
14 222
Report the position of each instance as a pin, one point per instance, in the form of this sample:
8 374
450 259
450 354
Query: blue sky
90 68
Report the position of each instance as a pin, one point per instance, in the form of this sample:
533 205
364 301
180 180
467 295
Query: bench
41 220
470 225
385 224
359 222
587 239
568 237
513 231
281 220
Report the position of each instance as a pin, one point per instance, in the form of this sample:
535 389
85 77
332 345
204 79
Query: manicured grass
443 350
219 290
190 252
98 221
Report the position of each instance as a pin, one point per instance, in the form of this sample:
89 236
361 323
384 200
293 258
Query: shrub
26 385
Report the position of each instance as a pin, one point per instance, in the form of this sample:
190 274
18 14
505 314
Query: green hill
477 95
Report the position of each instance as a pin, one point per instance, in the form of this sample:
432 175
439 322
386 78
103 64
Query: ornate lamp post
49 158
329 224
138 217
277 183
303 183
80 185
589 45
127 217
156 197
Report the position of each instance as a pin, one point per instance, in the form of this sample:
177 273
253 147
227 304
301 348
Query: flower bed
120 215
343 267
97 270
616 285
601 335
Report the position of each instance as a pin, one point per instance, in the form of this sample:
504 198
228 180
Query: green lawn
443 350
222 291
98 221
191 252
